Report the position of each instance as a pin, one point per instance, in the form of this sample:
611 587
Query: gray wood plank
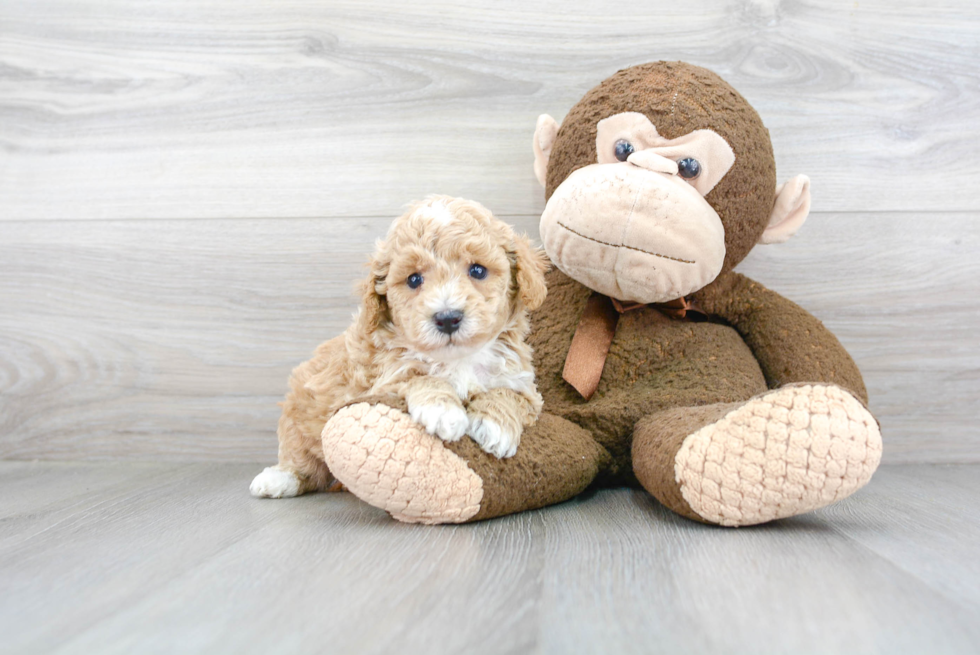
34 495
189 562
367 586
246 108
625 573
173 340
91 567
61 578
926 521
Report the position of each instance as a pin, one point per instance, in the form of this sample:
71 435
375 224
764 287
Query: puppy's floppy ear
529 266
373 291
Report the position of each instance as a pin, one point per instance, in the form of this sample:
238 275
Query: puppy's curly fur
444 255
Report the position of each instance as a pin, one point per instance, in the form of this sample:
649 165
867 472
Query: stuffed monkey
659 365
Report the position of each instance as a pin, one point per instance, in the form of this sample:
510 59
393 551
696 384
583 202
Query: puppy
441 324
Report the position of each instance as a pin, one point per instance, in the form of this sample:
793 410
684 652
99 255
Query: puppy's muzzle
448 322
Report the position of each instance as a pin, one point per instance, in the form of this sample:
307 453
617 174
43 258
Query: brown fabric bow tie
594 334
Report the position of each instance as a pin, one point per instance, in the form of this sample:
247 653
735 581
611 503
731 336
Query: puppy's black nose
448 322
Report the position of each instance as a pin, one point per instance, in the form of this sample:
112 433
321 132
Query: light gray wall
187 189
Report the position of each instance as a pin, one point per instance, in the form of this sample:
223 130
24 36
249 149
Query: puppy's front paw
274 482
492 437
448 422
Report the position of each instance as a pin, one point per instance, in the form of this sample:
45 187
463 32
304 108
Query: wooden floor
152 558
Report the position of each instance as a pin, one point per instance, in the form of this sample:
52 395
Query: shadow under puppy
442 323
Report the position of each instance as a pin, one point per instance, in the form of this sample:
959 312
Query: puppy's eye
689 168
414 281
478 272
623 149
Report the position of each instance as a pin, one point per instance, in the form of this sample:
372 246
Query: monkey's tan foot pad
783 453
385 459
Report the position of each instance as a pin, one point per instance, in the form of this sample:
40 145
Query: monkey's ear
544 139
790 211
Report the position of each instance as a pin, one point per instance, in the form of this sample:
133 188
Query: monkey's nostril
448 322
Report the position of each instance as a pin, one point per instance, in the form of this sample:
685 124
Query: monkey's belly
679 362
656 363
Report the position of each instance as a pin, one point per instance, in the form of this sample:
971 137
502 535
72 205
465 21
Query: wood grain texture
165 339
292 132
119 558
926 521
173 340
300 108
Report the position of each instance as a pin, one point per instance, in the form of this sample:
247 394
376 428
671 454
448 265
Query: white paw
273 482
493 438
448 422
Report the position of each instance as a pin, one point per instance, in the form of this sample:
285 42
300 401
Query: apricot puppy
442 323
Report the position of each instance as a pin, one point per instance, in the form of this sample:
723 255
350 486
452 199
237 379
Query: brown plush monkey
658 365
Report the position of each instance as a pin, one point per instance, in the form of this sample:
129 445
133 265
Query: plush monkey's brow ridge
623 245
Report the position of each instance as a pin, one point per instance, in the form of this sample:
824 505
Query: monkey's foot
782 453
387 460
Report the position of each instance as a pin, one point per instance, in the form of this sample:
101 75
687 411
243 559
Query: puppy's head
449 278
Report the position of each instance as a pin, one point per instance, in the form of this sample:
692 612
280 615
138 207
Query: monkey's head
659 179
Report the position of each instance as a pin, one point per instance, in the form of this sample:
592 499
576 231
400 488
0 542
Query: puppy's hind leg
291 478
300 470
275 482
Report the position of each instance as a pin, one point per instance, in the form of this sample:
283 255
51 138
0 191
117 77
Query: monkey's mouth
623 245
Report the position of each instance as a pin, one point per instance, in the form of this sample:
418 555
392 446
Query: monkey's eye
414 281
478 272
688 168
623 149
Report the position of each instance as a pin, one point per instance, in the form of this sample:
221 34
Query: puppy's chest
479 372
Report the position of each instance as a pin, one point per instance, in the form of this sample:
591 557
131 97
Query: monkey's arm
790 344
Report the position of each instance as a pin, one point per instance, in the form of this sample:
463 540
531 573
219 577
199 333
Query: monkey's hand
790 344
